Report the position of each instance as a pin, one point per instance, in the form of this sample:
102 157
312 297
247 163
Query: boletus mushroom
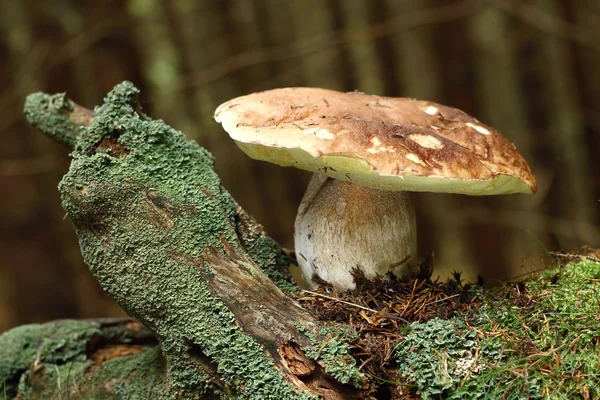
367 153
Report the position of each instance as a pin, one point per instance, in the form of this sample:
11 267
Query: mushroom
367 153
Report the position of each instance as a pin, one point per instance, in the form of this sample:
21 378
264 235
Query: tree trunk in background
316 19
566 129
529 69
363 52
585 67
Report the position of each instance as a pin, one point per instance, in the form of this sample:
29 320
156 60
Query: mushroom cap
380 142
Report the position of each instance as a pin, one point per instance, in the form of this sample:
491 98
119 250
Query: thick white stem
342 226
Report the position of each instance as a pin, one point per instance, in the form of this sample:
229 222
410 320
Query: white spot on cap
427 141
378 148
414 158
478 128
324 134
431 110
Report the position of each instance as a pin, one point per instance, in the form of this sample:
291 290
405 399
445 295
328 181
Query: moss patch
59 360
50 114
536 340
436 355
137 377
59 344
332 347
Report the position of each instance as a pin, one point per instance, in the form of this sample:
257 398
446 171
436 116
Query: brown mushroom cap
380 142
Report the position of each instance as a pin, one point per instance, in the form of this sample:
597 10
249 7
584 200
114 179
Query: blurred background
529 68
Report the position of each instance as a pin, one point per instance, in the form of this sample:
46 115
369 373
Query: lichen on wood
171 246
80 359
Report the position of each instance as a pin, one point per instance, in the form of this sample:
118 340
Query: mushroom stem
342 227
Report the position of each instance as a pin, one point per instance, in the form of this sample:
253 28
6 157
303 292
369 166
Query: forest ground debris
417 338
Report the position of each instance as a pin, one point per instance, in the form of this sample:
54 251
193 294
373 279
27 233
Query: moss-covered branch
58 117
97 359
170 245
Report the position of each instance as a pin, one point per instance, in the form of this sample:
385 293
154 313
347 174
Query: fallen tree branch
170 245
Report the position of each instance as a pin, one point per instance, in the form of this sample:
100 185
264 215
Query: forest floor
414 339
535 338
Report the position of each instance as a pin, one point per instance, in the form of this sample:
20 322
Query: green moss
436 355
53 381
331 346
128 232
50 115
136 377
58 343
51 361
543 344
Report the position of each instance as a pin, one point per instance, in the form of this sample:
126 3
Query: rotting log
95 358
172 247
